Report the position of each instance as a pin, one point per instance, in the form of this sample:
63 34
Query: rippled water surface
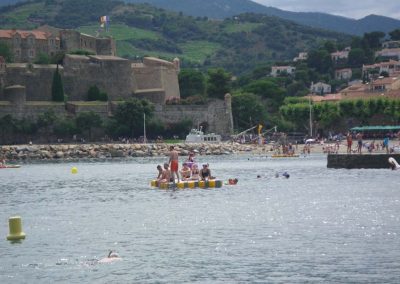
320 225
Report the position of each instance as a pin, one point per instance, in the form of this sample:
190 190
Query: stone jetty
65 152
365 161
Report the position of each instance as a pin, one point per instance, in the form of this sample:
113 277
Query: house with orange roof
391 67
27 45
340 55
389 52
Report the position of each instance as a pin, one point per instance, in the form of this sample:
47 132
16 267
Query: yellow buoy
74 170
15 226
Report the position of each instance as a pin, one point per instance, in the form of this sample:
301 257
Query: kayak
10 167
213 183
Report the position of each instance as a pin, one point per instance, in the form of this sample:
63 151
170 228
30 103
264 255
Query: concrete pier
364 161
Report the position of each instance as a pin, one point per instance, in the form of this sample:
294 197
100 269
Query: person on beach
386 144
349 140
359 142
173 161
2 162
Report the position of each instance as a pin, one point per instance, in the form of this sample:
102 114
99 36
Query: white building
320 88
280 70
301 56
343 74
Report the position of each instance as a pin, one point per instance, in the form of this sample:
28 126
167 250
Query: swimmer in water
112 256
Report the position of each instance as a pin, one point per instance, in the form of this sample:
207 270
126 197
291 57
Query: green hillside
236 44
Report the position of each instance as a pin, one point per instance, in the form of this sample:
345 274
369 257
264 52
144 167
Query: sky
346 8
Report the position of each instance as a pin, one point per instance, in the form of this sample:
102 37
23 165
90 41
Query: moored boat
10 166
198 136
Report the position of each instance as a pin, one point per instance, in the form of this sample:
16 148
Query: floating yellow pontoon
214 183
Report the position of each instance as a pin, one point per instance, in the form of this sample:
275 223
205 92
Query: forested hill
237 44
221 9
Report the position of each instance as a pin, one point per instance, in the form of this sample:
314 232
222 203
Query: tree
6 52
373 39
57 88
395 34
191 83
46 121
64 127
330 46
320 60
85 121
265 88
218 83
42 58
130 115
356 57
247 110
94 94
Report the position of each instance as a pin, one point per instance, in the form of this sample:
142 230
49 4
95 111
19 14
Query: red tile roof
24 34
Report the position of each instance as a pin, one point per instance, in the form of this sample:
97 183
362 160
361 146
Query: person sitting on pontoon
195 172
185 172
205 173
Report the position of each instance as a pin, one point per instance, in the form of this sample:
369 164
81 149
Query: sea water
319 225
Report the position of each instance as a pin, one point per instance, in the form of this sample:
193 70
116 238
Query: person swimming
112 256
232 181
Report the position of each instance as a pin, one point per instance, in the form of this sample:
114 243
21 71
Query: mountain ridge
341 24
221 9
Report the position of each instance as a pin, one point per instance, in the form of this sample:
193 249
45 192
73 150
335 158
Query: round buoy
15 226
74 170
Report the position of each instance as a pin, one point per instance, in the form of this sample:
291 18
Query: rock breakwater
108 151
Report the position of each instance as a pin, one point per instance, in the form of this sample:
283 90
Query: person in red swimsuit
173 160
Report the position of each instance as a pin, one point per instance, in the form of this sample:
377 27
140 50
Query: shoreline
103 152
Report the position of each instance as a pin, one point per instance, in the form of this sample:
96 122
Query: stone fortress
25 88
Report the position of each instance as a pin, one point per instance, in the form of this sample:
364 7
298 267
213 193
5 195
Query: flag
104 21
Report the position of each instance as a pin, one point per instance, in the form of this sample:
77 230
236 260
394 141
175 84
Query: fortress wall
155 96
102 109
30 110
37 80
106 46
147 78
170 83
214 114
111 76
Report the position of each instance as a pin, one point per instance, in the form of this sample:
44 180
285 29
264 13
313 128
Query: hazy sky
347 8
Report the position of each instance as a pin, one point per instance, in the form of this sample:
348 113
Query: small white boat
198 136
